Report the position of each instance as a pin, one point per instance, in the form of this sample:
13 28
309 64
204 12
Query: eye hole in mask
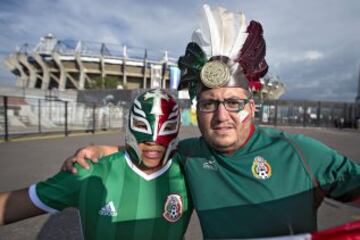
169 127
140 124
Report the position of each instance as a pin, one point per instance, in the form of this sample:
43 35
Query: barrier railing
22 116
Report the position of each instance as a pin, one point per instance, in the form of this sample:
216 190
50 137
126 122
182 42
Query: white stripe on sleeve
37 202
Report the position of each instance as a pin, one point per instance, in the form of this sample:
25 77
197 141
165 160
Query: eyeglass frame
245 100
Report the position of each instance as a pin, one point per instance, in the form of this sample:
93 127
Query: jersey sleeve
60 191
339 176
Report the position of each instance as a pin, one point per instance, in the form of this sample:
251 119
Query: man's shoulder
192 147
114 158
272 132
299 140
189 141
190 144
104 164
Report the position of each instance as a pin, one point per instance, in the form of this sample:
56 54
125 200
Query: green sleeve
339 176
60 191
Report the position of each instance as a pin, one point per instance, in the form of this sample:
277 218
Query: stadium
67 64
66 86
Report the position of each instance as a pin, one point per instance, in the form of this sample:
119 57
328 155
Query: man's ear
252 107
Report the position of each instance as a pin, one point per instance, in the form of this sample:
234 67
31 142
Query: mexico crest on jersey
261 169
173 208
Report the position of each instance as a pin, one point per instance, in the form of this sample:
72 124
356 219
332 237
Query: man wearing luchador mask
136 193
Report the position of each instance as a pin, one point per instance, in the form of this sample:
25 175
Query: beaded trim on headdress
224 52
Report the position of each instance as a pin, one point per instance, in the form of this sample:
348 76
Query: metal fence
309 114
22 116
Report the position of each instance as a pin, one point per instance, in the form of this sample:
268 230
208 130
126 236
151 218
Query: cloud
313 55
315 43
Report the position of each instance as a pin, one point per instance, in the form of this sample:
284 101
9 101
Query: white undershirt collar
145 176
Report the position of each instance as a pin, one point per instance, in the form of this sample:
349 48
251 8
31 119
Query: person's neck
149 171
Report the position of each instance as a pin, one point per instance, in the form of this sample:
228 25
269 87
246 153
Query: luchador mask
153 117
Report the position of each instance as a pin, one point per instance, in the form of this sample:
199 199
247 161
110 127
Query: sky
313 46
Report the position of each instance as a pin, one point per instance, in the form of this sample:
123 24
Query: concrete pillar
104 51
53 76
45 70
12 63
103 71
145 69
124 67
62 79
164 69
83 76
22 58
64 76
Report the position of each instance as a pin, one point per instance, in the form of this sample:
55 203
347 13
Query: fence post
39 115
304 114
6 137
344 116
261 112
276 112
66 118
109 127
93 115
318 112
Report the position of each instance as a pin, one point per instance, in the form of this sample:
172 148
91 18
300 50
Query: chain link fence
22 116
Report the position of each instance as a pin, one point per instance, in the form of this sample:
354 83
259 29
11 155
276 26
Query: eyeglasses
231 105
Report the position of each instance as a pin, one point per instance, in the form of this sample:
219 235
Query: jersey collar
147 177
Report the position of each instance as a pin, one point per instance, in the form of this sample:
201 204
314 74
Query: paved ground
25 162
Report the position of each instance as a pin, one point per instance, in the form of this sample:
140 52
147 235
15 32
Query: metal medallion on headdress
223 34
215 74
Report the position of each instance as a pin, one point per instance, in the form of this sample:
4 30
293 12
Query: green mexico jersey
118 201
272 186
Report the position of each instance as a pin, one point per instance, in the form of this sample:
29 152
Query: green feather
190 65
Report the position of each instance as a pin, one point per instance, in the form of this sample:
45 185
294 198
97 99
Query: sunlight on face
224 130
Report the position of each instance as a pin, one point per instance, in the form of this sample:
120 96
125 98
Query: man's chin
221 144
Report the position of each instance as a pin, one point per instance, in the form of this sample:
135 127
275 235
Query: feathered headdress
224 52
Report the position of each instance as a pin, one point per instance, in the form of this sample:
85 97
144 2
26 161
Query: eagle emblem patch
261 169
173 208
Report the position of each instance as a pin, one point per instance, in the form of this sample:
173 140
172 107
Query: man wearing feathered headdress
247 181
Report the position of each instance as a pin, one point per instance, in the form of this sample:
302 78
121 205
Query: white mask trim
147 177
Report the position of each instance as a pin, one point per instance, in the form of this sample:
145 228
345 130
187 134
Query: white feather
202 40
228 32
213 29
241 37
221 32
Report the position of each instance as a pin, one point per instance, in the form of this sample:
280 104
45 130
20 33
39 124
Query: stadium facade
66 64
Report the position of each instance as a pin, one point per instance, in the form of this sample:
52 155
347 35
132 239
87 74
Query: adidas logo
210 165
108 210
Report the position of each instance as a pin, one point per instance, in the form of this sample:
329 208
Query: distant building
64 64
87 65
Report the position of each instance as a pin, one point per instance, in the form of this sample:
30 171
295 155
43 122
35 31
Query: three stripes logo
108 210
